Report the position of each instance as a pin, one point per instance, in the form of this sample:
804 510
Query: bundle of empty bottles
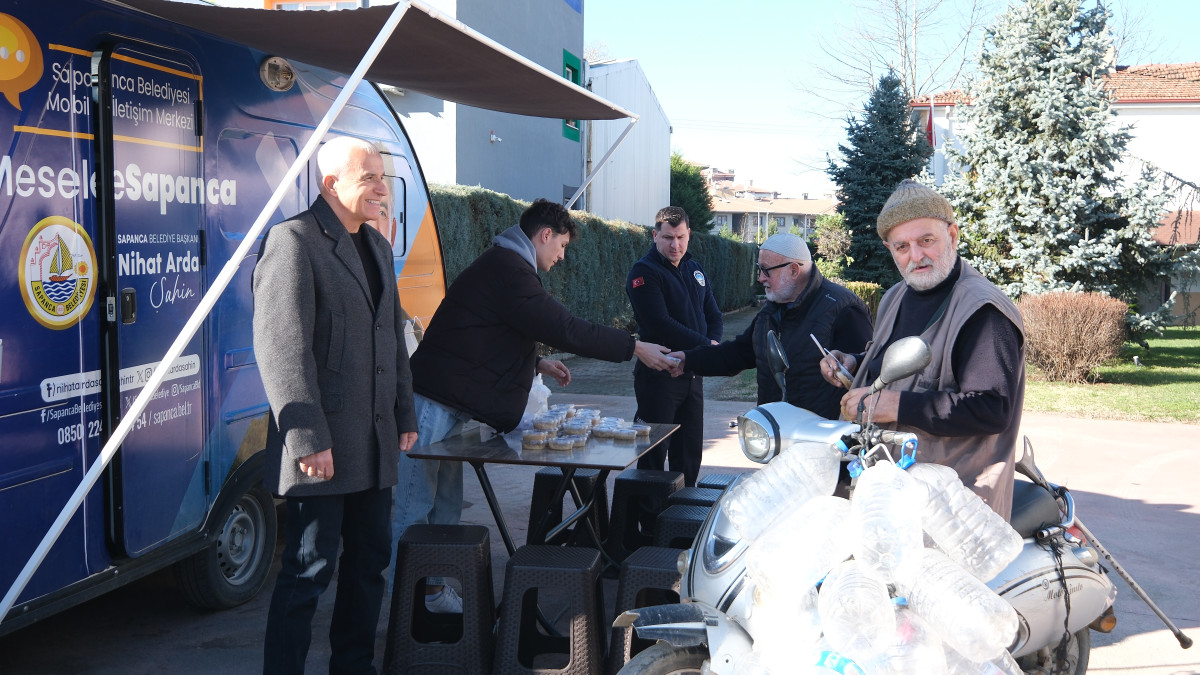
891 581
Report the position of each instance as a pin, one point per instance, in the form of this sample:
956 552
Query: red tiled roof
1131 84
1155 82
1188 223
951 97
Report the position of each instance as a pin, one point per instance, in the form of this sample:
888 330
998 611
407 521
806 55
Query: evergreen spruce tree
689 193
1039 204
884 149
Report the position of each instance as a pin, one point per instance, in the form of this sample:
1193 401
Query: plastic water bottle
1005 664
968 615
887 507
856 612
800 548
964 527
916 649
784 622
791 479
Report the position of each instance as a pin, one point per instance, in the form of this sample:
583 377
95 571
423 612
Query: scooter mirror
778 360
906 357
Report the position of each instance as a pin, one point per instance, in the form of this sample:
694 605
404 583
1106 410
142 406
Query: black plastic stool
570 574
638 496
717 481
678 525
545 483
419 641
695 496
649 576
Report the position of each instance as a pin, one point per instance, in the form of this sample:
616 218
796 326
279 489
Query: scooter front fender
691 624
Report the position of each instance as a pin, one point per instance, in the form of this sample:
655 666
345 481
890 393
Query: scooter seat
1033 509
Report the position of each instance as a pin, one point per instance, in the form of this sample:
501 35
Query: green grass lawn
1165 388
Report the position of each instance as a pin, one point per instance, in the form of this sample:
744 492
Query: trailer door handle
128 305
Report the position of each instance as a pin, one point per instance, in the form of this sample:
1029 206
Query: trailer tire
232 569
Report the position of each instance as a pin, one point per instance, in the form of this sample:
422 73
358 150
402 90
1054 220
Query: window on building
573 71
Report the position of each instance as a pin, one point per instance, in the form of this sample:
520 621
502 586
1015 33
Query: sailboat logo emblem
58 272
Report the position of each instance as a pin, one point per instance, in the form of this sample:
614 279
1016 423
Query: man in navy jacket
674 306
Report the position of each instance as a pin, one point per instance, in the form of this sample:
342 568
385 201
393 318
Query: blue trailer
138 147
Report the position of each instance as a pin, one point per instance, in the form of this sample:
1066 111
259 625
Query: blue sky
730 75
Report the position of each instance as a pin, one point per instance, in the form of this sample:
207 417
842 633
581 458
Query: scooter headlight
759 436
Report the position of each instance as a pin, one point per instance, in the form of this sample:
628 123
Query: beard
941 268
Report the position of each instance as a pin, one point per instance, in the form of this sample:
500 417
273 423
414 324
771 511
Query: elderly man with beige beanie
965 407
800 302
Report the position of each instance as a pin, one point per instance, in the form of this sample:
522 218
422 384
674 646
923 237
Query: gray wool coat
334 366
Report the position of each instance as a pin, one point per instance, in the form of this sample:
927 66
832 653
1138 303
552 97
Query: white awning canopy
428 53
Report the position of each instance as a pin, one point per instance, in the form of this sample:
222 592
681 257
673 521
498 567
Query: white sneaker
447 601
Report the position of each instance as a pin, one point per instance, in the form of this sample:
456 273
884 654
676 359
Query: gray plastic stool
419 641
717 481
678 525
649 576
566 573
545 482
695 496
638 496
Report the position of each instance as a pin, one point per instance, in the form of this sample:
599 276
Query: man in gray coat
329 340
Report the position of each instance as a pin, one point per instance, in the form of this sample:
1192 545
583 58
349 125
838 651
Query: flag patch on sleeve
638 282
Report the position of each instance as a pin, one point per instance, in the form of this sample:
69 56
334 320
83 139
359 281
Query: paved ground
1134 485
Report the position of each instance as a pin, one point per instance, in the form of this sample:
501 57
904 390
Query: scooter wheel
666 659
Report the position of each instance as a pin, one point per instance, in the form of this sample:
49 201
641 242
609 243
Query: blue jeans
429 491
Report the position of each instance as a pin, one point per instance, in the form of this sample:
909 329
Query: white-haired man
329 340
800 302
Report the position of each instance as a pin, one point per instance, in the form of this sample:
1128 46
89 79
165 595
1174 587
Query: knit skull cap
787 245
910 201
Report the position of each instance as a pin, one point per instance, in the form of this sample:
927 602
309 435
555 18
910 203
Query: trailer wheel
234 567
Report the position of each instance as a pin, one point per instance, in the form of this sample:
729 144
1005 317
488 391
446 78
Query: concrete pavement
1134 484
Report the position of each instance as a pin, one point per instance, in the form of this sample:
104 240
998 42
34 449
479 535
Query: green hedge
870 292
591 280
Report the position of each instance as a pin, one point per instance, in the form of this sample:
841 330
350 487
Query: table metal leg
494 505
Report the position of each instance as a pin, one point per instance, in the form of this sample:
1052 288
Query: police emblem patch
699 277
637 282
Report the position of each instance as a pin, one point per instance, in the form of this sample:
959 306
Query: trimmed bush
1067 335
591 280
870 293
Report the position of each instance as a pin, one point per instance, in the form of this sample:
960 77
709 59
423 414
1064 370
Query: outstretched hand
677 369
652 355
556 369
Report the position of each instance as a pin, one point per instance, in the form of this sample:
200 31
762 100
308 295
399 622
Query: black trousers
361 523
672 400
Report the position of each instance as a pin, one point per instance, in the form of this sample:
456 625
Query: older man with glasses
801 304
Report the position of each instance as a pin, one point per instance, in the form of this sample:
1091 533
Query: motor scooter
1057 584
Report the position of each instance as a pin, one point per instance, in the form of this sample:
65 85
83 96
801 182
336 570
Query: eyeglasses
766 271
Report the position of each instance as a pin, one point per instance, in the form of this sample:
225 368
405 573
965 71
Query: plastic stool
695 496
545 482
419 641
649 576
638 496
717 481
678 525
570 573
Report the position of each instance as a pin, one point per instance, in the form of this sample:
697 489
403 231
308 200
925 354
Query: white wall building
636 182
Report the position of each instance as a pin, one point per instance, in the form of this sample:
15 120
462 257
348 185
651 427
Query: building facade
636 181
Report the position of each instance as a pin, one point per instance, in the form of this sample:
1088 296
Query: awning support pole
193 324
603 160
